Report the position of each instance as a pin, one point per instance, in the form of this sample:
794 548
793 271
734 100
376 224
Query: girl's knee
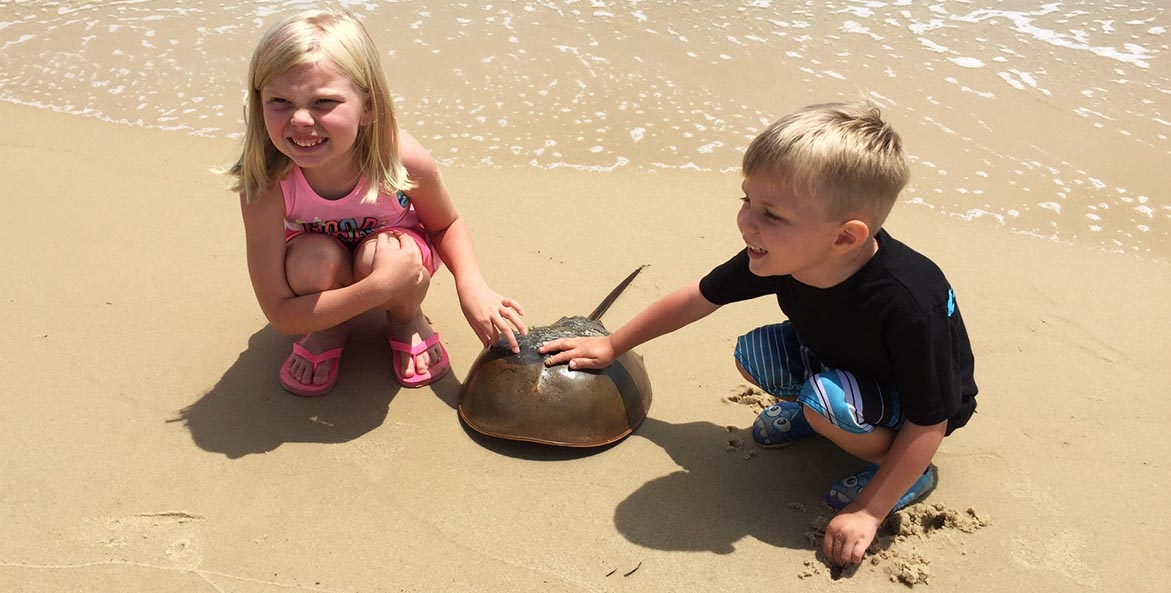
315 263
363 263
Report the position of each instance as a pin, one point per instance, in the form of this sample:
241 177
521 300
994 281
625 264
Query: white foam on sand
654 85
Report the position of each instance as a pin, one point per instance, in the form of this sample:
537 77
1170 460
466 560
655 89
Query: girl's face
312 114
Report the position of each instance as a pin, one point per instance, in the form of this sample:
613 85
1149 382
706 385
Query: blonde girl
344 212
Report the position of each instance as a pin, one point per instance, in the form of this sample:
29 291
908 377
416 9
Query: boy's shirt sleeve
732 281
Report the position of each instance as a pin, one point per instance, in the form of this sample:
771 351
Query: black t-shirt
896 320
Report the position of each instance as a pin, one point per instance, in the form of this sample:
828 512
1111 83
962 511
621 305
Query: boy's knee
829 403
744 373
824 389
820 424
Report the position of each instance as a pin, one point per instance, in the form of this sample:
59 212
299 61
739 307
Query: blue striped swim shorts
779 363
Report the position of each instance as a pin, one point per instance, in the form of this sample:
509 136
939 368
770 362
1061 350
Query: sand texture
149 447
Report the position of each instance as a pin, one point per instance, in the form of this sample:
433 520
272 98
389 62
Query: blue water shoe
844 492
780 424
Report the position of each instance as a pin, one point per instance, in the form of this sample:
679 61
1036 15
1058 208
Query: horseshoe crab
515 396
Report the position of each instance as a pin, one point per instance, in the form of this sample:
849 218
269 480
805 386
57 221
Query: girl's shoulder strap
291 185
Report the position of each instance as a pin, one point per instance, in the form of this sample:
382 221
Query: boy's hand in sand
848 536
491 315
581 353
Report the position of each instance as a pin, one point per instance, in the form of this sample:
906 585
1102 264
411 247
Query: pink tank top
346 218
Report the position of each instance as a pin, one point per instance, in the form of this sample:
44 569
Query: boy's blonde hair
840 154
307 38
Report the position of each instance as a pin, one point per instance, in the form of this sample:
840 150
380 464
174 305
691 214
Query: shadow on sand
719 496
725 493
247 412
531 451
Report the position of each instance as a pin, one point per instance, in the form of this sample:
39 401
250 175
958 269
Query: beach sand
148 446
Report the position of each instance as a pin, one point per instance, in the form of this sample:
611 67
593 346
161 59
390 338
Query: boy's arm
663 316
849 534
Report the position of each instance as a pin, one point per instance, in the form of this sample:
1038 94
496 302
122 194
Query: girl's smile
312 114
308 143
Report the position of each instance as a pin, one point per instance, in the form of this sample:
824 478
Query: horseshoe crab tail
613 296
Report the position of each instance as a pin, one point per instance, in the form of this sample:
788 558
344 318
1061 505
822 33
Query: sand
148 446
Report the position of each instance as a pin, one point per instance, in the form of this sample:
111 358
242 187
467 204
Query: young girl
344 212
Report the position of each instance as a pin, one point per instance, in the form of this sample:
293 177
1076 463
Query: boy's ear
851 234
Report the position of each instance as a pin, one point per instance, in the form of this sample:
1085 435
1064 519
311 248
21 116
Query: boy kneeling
874 354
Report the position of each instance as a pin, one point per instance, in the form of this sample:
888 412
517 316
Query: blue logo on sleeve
951 302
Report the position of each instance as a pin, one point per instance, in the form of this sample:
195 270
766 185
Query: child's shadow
726 492
248 412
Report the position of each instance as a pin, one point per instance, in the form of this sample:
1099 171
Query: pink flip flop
433 372
296 387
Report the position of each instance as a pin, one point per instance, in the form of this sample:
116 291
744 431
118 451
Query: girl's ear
367 112
851 234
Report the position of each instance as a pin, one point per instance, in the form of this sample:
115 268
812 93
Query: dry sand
148 446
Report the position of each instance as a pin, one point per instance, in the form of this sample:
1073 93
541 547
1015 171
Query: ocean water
1044 118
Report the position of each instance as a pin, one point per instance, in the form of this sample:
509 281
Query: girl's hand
581 353
397 262
491 315
848 536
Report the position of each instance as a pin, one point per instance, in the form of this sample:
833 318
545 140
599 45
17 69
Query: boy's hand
848 536
581 353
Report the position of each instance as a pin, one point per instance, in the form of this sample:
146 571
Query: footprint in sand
751 396
168 538
184 554
1061 552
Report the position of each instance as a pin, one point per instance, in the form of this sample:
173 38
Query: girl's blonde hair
843 155
307 38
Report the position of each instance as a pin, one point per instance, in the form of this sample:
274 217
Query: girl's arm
489 314
294 314
680 308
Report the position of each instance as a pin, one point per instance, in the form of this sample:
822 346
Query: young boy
874 355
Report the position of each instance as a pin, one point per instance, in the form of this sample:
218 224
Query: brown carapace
515 396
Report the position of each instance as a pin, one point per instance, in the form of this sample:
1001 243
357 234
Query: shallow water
1046 118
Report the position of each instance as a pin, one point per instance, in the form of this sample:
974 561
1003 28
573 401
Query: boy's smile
787 234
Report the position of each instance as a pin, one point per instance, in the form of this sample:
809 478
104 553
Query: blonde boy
873 356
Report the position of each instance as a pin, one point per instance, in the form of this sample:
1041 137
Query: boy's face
786 233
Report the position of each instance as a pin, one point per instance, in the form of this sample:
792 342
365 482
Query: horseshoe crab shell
515 396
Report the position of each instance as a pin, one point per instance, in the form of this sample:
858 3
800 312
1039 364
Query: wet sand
1047 119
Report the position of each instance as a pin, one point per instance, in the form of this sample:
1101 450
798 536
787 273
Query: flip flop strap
417 349
316 359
